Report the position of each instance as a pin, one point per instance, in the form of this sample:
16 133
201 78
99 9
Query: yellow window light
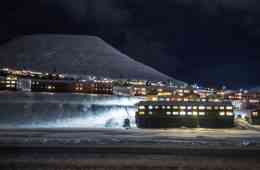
202 113
168 113
230 114
189 113
201 107
255 113
168 107
141 113
209 108
229 108
222 107
175 107
154 98
194 113
186 91
141 107
222 113
182 113
183 107
195 107
175 113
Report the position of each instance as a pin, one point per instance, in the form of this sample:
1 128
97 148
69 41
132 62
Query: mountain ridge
73 54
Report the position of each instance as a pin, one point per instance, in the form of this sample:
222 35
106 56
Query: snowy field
49 110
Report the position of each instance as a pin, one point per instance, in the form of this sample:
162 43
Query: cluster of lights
175 113
150 107
255 114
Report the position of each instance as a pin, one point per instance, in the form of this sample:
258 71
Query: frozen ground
73 149
75 132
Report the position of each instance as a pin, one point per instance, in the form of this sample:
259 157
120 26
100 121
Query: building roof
185 103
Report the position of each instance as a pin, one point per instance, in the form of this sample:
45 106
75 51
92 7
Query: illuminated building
91 87
9 83
254 117
170 114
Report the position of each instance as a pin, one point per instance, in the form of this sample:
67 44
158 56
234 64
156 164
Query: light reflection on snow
44 110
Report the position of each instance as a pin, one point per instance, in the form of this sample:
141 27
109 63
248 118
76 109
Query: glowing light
175 113
141 107
202 113
182 113
201 107
229 107
194 113
230 114
141 113
255 113
222 113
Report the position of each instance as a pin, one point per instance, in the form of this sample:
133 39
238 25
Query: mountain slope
73 55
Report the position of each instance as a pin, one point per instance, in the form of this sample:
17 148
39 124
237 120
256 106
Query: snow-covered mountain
73 54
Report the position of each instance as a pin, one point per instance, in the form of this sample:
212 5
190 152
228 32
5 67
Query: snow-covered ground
48 110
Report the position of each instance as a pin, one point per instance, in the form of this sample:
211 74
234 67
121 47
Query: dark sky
211 42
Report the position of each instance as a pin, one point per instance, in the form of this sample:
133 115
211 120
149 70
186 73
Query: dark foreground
178 149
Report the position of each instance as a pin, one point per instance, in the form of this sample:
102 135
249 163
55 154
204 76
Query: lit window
141 113
150 107
189 107
229 107
186 100
49 87
222 107
255 113
156 107
175 107
150 113
195 107
7 85
216 107
189 113
163 107
168 107
194 113
182 113
179 99
167 99
168 113
202 113
209 108
141 107
230 114
180 91
7 82
175 113
183 107
13 82
186 91
201 107
222 113
154 99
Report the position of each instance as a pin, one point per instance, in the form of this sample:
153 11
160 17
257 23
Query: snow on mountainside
73 54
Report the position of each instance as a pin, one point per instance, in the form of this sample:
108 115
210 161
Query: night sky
209 42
